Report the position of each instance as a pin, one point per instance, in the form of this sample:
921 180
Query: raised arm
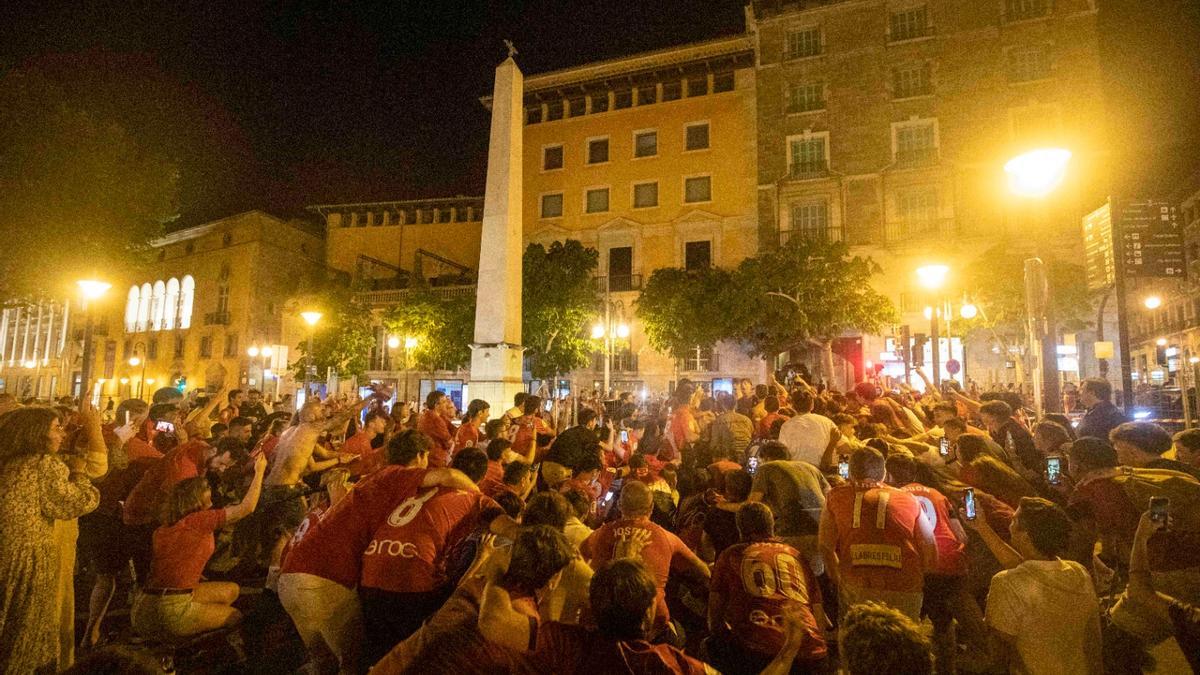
207 411
250 501
96 451
449 478
1007 555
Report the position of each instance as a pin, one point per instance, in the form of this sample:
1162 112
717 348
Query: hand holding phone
752 465
944 447
1054 470
1160 511
844 467
969 504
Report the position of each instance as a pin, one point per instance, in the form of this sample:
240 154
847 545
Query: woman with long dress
36 489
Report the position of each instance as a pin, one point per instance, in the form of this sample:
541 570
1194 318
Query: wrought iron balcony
808 170
217 319
618 283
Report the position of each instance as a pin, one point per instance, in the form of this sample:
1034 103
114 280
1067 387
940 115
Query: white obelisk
496 363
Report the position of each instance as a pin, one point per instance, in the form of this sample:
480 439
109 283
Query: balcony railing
808 170
621 362
217 319
396 296
916 157
903 231
828 233
705 363
618 283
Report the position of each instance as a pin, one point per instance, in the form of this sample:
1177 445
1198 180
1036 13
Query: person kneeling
174 603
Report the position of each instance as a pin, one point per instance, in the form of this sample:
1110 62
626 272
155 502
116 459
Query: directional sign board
1098 248
1151 242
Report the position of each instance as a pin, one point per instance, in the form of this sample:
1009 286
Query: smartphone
844 467
624 435
969 504
1054 470
608 497
548 405
944 447
752 465
165 427
1159 507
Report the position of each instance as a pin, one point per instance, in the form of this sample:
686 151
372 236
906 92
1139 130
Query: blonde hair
185 499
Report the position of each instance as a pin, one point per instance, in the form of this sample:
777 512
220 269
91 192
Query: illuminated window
131 310
187 292
156 305
143 322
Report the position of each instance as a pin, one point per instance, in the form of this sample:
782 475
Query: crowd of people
775 529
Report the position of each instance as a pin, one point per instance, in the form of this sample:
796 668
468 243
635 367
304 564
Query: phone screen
944 447
969 503
752 465
844 468
624 435
1053 470
1159 507
165 426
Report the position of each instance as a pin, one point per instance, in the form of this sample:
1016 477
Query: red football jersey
760 580
406 554
332 547
877 536
951 556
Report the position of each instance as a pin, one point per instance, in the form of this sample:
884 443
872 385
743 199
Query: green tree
79 195
443 326
806 293
558 303
344 336
683 309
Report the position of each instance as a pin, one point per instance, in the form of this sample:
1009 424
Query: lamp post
310 317
262 353
409 343
933 277
612 325
92 290
134 362
1036 175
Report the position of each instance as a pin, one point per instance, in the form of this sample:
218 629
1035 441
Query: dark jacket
1101 419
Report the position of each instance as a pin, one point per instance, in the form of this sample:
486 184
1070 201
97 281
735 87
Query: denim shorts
164 617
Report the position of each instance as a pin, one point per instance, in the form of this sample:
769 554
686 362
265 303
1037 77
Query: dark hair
161 411
955 423
1101 389
866 464
773 450
946 407
475 407
621 593
902 467
167 395
493 428
241 422
588 462
471 461
998 409
538 553
580 501
377 413
184 499
776 426
879 639
755 521
25 432
1146 436
515 472
496 447
802 401
406 446
586 415
738 485
1062 421
217 428
771 404
434 398
532 403
971 446
135 407
842 418
547 508
1189 439
1092 453
234 393
1048 526
1053 431
510 502
519 399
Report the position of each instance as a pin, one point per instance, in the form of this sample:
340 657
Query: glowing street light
597 331
93 289
1152 302
1161 342
410 343
267 352
252 352
622 331
969 311
932 276
134 361
393 342
1037 173
311 317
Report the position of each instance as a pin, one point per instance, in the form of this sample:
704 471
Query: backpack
1183 491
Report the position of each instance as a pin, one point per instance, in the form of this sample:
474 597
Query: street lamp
264 352
134 362
1152 302
92 290
310 317
1037 173
612 326
933 277
409 342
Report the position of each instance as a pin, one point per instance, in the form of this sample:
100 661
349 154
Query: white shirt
576 531
1049 606
806 437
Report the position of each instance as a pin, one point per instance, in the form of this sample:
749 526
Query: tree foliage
810 292
558 303
683 309
344 336
443 326
79 195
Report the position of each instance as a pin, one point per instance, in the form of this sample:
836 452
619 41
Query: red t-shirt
528 427
764 425
760 581
332 547
146 499
369 459
564 649
311 518
495 472
406 554
1108 505
116 486
877 536
182 550
437 428
586 487
683 423
664 552
717 471
952 558
466 436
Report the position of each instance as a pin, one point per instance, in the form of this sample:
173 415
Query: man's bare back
293 453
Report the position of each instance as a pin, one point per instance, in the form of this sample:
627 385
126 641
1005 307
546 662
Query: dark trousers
729 656
390 618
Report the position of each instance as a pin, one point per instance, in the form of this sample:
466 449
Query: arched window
171 304
144 307
186 293
131 310
156 305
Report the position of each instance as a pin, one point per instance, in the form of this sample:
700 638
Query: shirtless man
297 454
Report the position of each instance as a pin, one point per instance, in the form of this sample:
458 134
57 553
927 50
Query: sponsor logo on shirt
875 555
393 548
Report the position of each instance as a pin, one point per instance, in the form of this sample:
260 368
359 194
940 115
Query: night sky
282 104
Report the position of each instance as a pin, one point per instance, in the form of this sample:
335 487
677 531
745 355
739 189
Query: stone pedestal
496 375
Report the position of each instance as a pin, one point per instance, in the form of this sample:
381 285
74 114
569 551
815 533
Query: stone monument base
496 375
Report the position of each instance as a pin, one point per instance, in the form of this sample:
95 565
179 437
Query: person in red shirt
660 549
876 541
755 583
369 458
174 602
144 502
532 430
476 416
946 597
683 429
585 477
319 575
771 405
435 423
495 468
236 398
404 578
518 478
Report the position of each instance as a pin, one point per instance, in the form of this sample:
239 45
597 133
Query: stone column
496 364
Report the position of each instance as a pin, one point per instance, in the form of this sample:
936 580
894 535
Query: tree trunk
827 361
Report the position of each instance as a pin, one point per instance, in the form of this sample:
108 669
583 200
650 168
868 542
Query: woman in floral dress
36 488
